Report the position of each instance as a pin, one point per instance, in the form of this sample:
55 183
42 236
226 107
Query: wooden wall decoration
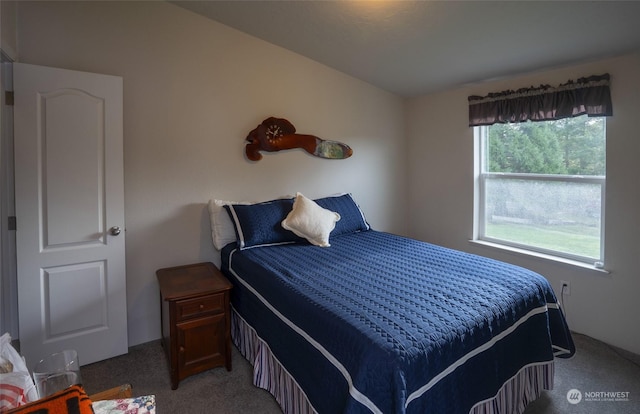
277 134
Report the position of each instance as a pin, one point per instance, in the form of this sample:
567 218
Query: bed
376 322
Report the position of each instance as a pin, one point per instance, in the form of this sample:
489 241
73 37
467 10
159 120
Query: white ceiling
416 47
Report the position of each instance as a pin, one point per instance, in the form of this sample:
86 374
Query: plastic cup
57 372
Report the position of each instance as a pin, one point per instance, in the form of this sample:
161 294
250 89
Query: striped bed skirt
269 374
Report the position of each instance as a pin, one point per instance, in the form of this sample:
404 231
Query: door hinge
8 98
12 223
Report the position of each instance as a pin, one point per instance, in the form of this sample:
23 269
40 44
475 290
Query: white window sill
546 257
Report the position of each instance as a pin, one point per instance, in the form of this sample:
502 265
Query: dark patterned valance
589 96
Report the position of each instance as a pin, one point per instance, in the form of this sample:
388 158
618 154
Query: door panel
88 282
62 169
69 193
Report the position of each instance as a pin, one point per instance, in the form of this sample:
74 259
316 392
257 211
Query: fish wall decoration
277 134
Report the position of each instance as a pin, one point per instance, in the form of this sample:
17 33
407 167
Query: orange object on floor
72 400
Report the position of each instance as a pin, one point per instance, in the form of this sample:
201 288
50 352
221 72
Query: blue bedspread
382 323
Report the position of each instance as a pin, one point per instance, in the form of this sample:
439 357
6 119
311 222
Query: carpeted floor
596 369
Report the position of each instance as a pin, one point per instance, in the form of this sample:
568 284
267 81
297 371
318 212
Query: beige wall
440 148
8 28
193 89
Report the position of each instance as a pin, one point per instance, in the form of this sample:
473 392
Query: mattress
383 323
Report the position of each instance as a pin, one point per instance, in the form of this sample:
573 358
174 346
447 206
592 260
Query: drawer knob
181 349
201 306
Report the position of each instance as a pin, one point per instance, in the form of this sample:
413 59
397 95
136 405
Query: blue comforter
382 323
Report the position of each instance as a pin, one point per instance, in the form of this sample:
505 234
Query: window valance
590 95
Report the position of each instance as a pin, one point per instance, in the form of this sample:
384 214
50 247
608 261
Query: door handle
114 231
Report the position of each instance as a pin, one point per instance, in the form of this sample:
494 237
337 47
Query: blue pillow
259 224
351 217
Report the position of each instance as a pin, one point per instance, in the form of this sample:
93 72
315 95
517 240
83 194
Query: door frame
8 268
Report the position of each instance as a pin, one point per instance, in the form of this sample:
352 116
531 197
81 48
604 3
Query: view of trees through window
573 146
543 185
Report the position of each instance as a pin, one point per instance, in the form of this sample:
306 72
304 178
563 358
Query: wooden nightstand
195 318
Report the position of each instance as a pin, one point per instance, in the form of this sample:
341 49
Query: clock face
273 131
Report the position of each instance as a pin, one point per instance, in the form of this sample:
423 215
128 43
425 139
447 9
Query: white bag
16 386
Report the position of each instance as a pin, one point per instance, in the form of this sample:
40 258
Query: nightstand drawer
193 307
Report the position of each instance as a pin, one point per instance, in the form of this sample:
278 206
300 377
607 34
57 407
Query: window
541 186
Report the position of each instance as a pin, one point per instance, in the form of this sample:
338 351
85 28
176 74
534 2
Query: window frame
480 160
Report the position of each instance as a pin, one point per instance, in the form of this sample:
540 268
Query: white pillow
222 230
307 219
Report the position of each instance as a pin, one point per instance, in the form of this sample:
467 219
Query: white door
70 213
